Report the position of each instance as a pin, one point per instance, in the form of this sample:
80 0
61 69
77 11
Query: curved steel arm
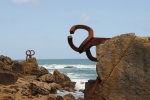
33 52
87 43
90 36
75 27
71 44
89 55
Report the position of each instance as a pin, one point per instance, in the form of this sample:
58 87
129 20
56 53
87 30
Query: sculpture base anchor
90 88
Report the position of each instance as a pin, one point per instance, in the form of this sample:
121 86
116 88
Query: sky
43 25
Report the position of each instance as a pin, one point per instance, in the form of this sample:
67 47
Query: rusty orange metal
85 47
87 43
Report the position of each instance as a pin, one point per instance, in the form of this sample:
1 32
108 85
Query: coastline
34 82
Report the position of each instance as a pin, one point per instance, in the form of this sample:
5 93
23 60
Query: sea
78 70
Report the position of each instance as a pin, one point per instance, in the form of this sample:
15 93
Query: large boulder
124 68
6 60
42 71
63 79
5 63
30 66
47 78
60 78
7 77
37 87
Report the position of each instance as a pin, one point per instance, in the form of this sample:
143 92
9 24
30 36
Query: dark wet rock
7 77
18 68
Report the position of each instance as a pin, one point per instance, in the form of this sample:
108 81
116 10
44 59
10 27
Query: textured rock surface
47 78
42 71
18 68
5 63
7 77
60 77
6 60
124 68
37 87
64 81
69 97
27 81
30 66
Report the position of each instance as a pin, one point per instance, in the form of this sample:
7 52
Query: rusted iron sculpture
85 47
87 43
29 54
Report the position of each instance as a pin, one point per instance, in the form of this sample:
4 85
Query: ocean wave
81 76
56 66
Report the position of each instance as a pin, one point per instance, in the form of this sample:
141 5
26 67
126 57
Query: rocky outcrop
64 80
47 78
124 68
60 77
42 71
6 60
5 63
27 81
30 66
37 87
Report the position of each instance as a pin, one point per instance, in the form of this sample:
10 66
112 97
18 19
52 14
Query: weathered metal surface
87 43
29 54
85 47
91 94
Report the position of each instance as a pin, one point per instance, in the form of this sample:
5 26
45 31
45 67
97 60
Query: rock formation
64 80
27 81
123 68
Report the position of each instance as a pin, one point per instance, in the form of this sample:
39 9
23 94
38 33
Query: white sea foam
56 66
80 83
77 73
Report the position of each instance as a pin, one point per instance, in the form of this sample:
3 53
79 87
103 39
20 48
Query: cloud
85 17
27 1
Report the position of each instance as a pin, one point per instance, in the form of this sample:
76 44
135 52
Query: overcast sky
43 25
